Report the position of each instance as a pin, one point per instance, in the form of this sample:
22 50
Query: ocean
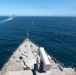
56 34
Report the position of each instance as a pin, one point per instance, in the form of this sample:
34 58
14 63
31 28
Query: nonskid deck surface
23 61
28 54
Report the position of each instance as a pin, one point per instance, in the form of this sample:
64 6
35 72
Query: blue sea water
56 34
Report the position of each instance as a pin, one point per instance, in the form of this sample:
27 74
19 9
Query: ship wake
6 20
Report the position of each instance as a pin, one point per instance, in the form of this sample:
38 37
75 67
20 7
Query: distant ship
30 59
13 16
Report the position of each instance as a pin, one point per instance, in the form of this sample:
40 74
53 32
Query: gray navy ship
30 59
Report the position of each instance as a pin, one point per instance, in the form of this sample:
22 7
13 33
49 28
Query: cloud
74 9
43 7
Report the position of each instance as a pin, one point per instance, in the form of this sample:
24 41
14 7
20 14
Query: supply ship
12 17
30 59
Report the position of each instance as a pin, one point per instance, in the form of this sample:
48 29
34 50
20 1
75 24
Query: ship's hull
26 60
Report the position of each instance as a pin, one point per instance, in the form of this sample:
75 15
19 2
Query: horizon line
41 15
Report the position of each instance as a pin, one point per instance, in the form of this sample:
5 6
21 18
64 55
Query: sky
38 7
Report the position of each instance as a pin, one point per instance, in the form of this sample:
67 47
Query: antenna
27 34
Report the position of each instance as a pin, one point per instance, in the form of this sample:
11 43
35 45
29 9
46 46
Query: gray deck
29 53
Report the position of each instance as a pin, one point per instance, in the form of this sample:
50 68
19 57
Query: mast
27 34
